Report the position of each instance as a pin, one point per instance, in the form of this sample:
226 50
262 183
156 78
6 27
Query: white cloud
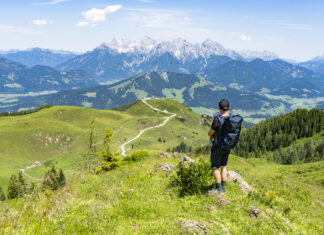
53 2
95 15
40 22
157 18
82 24
245 38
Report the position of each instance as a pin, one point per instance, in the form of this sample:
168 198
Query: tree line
280 132
18 186
24 112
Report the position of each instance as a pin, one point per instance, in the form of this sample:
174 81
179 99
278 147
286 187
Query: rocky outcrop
221 201
194 227
187 159
235 177
255 213
165 167
164 155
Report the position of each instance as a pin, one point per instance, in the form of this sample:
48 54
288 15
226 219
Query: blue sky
291 29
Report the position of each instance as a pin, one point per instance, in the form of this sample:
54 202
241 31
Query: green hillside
60 134
136 199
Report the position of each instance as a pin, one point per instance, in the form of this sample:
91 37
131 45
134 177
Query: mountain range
189 89
38 56
275 77
18 78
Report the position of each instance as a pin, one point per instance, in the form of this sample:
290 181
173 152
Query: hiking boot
215 190
222 190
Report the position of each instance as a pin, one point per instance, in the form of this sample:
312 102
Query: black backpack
228 131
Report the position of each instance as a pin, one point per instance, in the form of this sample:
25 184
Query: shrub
110 160
2 195
53 179
192 178
137 156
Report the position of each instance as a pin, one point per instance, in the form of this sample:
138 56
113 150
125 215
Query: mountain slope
121 59
273 77
17 78
38 56
316 64
137 199
60 134
188 89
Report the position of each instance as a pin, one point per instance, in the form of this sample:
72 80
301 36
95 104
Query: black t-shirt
215 124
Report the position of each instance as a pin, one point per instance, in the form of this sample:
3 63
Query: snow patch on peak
122 45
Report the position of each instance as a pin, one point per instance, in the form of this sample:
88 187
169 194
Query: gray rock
186 159
234 177
194 227
164 155
165 167
255 213
177 155
221 201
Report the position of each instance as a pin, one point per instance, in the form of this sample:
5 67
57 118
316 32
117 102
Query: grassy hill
137 199
59 135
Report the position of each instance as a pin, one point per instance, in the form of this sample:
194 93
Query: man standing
219 154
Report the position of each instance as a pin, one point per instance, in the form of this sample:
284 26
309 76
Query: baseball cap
224 104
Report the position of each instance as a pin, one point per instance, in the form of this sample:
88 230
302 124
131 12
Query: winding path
24 173
149 128
123 153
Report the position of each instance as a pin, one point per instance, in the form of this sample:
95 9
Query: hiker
224 134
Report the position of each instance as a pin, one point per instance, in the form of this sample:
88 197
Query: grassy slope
136 199
60 134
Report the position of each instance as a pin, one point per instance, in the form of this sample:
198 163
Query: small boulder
255 213
194 227
165 167
211 208
186 159
221 201
235 177
177 155
285 183
164 155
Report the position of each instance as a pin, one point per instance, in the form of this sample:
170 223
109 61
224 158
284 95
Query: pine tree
2 195
22 185
51 179
13 187
61 178
92 151
110 160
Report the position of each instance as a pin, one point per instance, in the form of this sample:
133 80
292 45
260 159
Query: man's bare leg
224 173
217 175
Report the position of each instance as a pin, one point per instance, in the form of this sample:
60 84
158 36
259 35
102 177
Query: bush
54 179
192 178
137 156
110 160
2 195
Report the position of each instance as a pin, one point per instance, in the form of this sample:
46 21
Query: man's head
224 105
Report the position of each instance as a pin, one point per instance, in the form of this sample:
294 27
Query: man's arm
211 133
213 128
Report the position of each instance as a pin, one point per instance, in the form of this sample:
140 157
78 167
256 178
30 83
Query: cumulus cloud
42 22
82 24
245 38
96 15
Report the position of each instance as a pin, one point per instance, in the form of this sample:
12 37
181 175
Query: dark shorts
218 157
